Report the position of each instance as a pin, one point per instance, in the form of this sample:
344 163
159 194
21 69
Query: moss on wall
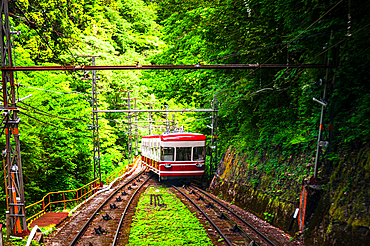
269 185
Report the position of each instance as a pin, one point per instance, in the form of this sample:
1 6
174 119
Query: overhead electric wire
71 92
296 76
40 35
112 120
51 116
287 45
48 123
257 49
295 38
48 114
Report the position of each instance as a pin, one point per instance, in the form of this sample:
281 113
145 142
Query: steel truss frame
16 212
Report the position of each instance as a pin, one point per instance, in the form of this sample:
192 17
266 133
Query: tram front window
167 154
183 154
199 153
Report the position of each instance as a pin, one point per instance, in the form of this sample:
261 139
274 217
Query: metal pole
215 107
136 131
150 118
95 115
129 126
321 128
16 221
95 122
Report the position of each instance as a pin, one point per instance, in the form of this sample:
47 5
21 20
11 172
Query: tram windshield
167 154
183 153
199 153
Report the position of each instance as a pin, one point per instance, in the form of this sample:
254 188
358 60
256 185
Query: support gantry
95 123
16 212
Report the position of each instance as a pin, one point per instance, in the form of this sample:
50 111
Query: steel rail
236 215
227 217
85 226
126 208
205 215
160 67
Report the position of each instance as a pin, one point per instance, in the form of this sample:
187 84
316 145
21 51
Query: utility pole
150 119
94 117
136 131
213 159
16 213
323 103
129 126
167 124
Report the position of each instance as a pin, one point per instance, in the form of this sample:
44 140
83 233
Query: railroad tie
222 216
209 205
106 217
161 204
113 206
235 228
99 230
253 243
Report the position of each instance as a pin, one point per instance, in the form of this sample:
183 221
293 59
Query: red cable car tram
174 155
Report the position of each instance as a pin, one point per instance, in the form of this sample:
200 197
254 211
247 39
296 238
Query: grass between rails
172 224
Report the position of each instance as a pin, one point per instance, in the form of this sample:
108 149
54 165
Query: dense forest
262 112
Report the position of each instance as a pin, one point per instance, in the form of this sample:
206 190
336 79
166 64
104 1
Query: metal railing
127 169
57 197
77 195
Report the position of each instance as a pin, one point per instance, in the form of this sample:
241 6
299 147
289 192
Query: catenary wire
287 45
49 115
58 92
48 123
321 53
40 35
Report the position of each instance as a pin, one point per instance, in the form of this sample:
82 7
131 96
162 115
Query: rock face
270 184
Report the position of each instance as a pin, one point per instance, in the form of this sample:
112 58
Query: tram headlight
199 164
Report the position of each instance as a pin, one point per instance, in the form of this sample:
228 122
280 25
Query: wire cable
287 45
51 116
71 92
55 56
48 123
48 114
258 49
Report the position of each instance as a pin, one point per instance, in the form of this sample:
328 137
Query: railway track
100 229
254 233
231 228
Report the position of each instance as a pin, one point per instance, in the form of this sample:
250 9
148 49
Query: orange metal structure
57 197
78 195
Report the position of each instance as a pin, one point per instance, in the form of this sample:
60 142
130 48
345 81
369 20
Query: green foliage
172 224
267 109
56 144
268 217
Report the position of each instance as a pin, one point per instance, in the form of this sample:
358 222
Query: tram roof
179 137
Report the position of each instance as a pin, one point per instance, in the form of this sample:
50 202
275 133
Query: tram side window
167 154
199 153
183 153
